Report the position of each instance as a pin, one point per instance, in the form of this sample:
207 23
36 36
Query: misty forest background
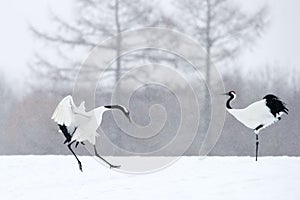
223 29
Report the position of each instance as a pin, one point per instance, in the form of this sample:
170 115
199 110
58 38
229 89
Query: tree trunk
208 42
119 42
208 65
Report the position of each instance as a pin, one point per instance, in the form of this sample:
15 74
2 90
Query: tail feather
276 105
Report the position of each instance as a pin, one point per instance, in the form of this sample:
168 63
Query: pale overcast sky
279 46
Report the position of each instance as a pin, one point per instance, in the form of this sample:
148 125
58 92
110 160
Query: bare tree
221 27
8 100
95 21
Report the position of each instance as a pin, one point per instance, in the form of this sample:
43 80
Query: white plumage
258 115
87 126
64 112
255 115
77 125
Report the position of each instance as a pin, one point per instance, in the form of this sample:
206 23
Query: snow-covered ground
58 177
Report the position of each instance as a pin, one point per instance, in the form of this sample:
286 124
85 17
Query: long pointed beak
224 94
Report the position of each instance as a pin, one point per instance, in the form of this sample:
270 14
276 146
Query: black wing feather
275 104
66 133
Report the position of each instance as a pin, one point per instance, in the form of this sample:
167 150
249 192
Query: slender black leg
257 143
110 165
79 163
76 144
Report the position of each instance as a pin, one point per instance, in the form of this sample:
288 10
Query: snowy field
58 177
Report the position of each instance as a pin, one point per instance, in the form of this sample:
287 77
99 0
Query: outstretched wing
64 112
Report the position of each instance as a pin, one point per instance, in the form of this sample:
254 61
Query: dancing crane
78 126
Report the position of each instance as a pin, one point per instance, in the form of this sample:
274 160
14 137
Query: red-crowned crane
259 114
77 125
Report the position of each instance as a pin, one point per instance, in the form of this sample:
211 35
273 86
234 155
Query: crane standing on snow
77 125
258 115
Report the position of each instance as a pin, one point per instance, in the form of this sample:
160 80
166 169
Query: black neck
228 101
117 107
